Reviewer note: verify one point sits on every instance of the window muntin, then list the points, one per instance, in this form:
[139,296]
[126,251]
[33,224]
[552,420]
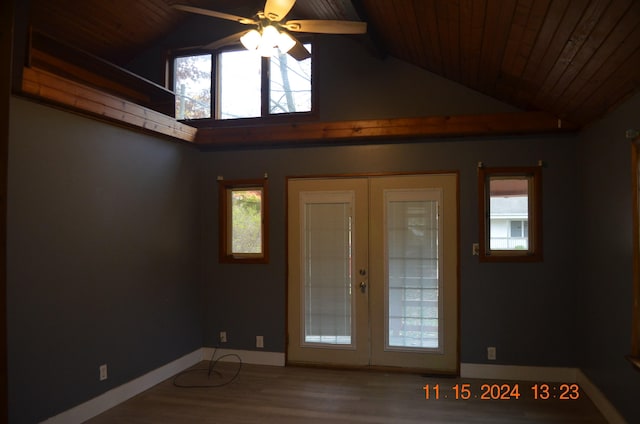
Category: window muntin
[243,211]
[510,212]
[192,86]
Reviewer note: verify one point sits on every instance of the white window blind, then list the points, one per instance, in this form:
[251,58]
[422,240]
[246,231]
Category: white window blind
[327,270]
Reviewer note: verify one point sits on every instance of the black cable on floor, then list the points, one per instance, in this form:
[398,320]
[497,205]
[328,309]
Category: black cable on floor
[211,369]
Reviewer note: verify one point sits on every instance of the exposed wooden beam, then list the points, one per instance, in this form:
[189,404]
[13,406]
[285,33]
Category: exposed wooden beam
[74,95]
[386,129]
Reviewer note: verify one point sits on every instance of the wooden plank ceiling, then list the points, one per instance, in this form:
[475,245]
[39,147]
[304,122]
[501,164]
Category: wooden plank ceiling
[576,59]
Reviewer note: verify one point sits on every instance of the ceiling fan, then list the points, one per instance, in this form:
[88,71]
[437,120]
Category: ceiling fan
[271,32]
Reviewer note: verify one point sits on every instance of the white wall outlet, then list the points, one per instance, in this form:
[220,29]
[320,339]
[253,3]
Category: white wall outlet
[491,353]
[223,337]
[259,341]
[103,372]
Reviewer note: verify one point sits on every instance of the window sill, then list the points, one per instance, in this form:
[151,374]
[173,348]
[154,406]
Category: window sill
[635,361]
[534,257]
[280,118]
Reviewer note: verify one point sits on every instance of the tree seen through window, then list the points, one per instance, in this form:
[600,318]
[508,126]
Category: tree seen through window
[192,86]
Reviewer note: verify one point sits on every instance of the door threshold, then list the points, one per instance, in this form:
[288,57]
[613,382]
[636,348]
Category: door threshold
[425,372]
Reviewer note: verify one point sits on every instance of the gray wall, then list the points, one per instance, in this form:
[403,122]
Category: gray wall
[356,85]
[526,310]
[605,290]
[102,257]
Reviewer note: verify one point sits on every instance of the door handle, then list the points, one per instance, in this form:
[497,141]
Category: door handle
[363,286]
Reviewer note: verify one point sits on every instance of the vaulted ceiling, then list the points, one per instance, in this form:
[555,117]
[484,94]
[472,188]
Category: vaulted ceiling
[576,59]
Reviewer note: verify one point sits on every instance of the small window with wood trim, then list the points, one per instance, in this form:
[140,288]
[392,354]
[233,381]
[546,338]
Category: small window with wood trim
[243,217]
[510,214]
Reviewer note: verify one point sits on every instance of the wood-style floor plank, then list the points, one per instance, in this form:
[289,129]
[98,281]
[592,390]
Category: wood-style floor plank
[263,394]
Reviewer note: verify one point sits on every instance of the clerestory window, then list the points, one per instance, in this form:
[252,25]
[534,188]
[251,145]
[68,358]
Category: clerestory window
[237,83]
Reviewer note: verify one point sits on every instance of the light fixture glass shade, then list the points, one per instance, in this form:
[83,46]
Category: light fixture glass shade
[251,40]
[269,36]
[285,42]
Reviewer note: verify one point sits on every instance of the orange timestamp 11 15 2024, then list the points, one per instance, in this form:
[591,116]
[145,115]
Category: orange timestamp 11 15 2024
[495,391]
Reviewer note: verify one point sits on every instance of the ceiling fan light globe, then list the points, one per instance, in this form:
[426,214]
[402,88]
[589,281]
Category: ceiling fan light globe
[270,36]
[285,42]
[251,40]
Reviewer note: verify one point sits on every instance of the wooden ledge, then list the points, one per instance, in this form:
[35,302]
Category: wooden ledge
[74,95]
[425,127]
[51,55]
[54,89]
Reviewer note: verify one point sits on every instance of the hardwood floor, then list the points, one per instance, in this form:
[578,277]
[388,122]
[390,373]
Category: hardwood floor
[264,394]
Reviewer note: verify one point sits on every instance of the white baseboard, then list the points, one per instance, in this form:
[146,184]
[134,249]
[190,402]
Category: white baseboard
[599,399]
[545,374]
[256,357]
[518,372]
[117,395]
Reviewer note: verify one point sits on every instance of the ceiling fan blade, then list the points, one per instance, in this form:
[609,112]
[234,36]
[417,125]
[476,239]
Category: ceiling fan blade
[226,41]
[299,52]
[326,26]
[214,14]
[276,10]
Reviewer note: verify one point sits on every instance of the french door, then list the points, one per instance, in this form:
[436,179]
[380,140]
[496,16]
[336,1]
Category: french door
[373,271]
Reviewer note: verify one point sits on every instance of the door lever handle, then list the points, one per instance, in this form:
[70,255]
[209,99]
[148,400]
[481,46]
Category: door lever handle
[363,286]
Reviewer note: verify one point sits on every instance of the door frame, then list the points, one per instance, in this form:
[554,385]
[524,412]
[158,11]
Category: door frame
[458,283]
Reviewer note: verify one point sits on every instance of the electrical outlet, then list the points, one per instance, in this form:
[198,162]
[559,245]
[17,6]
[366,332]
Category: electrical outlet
[103,372]
[259,341]
[475,249]
[223,337]
[491,353]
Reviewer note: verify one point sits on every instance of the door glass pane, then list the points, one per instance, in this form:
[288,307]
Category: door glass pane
[327,273]
[413,296]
